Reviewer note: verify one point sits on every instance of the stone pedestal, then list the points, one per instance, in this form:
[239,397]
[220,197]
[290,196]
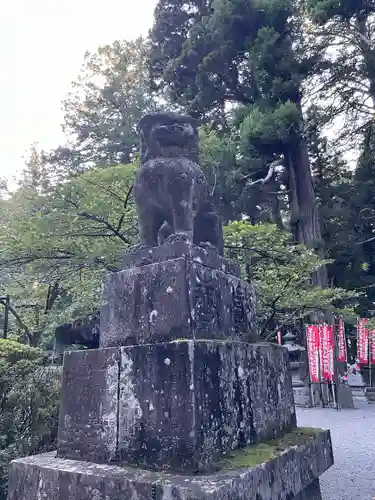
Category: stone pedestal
[176,291]
[175,404]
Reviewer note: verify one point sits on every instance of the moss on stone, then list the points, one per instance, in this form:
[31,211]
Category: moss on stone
[257,454]
[245,458]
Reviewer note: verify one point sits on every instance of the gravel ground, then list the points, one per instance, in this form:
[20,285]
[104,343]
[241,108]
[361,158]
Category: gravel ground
[353,432]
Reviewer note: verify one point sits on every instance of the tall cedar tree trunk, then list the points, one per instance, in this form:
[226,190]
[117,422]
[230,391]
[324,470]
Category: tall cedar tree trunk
[304,211]
[306,230]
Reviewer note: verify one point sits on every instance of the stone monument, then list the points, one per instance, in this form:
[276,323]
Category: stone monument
[175,403]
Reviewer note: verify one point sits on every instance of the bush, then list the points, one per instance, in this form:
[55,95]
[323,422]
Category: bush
[29,397]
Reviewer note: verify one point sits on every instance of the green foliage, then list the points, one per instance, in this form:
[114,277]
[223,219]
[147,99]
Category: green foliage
[245,62]
[282,273]
[362,226]
[324,10]
[347,212]
[107,100]
[63,241]
[333,186]
[344,31]
[210,53]
[58,245]
[262,131]
[29,393]
[219,161]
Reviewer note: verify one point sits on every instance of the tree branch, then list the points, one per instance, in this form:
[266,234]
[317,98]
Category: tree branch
[262,253]
[19,320]
[273,305]
[126,201]
[109,191]
[108,225]
[270,173]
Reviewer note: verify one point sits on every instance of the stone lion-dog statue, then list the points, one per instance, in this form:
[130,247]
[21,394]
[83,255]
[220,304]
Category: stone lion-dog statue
[171,192]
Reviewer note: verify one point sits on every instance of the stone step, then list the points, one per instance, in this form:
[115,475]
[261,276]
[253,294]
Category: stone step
[290,474]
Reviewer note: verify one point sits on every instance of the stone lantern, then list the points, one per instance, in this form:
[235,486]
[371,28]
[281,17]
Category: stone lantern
[296,361]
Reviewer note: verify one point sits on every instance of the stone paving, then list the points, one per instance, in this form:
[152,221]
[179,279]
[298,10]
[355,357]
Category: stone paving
[353,431]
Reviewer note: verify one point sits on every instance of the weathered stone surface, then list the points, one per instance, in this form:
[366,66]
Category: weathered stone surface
[345,397]
[370,394]
[174,299]
[291,475]
[302,397]
[89,405]
[312,492]
[179,405]
[205,256]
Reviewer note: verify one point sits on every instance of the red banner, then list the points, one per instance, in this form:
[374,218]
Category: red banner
[313,351]
[372,347]
[342,353]
[327,349]
[362,341]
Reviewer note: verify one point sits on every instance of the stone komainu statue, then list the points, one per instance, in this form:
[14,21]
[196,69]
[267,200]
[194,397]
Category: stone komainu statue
[171,191]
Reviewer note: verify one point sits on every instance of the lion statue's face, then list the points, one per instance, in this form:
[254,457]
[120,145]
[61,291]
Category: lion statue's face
[168,135]
[177,134]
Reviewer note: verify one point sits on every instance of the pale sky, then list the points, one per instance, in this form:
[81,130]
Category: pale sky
[42,47]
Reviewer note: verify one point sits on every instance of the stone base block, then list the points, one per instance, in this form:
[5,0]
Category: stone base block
[205,256]
[302,396]
[192,296]
[345,397]
[173,406]
[370,394]
[312,492]
[291,474]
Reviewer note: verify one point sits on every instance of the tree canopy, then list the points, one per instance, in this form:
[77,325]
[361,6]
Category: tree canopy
[106,101]
[56,245]
[282,273]
[243,64]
